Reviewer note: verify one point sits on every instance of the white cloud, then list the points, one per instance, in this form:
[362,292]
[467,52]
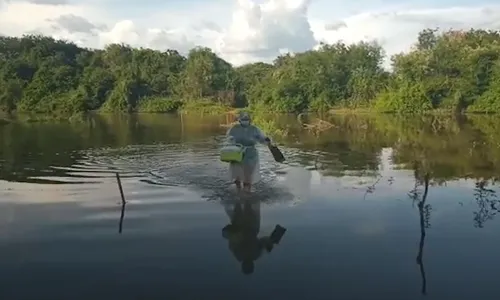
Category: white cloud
[123,32]
[75,24]
[42,2]
[241,31]
[17,18]
[49,2]
[398,30]
[127,32]
[258,32]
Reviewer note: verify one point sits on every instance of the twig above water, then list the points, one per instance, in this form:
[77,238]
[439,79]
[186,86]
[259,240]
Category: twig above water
[122,215]
[118,180]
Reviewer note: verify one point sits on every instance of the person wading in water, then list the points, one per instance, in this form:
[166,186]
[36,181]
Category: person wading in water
[246,134]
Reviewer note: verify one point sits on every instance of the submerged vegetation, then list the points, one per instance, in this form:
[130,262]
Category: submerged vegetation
[452,71]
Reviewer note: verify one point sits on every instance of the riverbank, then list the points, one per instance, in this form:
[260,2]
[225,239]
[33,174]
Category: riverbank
[208,108]
[435,112]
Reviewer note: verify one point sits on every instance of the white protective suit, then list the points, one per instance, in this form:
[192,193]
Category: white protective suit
[248,136]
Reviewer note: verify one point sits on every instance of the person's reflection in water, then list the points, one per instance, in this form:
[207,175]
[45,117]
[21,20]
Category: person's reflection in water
[242,234]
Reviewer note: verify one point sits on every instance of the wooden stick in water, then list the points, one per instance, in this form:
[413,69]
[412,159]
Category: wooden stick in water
[122,215]
[120,187]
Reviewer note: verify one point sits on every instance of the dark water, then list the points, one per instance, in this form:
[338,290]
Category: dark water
[377,207]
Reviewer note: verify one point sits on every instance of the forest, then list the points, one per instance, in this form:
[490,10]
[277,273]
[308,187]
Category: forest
[455,71]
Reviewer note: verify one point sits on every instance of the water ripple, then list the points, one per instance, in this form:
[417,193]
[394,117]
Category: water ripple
[195,166]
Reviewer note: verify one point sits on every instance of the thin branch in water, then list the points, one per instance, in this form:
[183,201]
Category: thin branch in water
[371,188]
[123,203]
[118,180]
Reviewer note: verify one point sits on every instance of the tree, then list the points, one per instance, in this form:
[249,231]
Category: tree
[453,70]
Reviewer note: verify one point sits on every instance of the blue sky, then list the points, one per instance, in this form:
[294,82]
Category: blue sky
[243,31]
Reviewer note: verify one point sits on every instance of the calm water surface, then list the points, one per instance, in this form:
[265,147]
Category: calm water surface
[372,208]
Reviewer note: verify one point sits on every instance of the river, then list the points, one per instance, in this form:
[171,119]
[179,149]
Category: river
[372,207]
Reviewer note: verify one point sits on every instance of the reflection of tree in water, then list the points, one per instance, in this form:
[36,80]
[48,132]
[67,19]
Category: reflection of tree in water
[424,211]
[452,149]
[243,230]
[57,150]
[122,217]
[28,151]
[486,199]
[334,157]
[488,203]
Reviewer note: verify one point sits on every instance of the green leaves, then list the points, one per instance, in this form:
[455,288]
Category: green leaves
[335,75]
[453,70]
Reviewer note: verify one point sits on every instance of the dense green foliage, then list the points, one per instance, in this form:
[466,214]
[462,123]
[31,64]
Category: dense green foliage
[455,70]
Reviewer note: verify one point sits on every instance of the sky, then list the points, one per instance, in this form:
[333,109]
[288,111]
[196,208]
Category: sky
[243,31]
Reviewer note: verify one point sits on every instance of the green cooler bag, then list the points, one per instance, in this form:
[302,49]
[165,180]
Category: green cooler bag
[232,153]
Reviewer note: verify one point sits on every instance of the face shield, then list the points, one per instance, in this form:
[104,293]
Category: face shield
[244,119]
